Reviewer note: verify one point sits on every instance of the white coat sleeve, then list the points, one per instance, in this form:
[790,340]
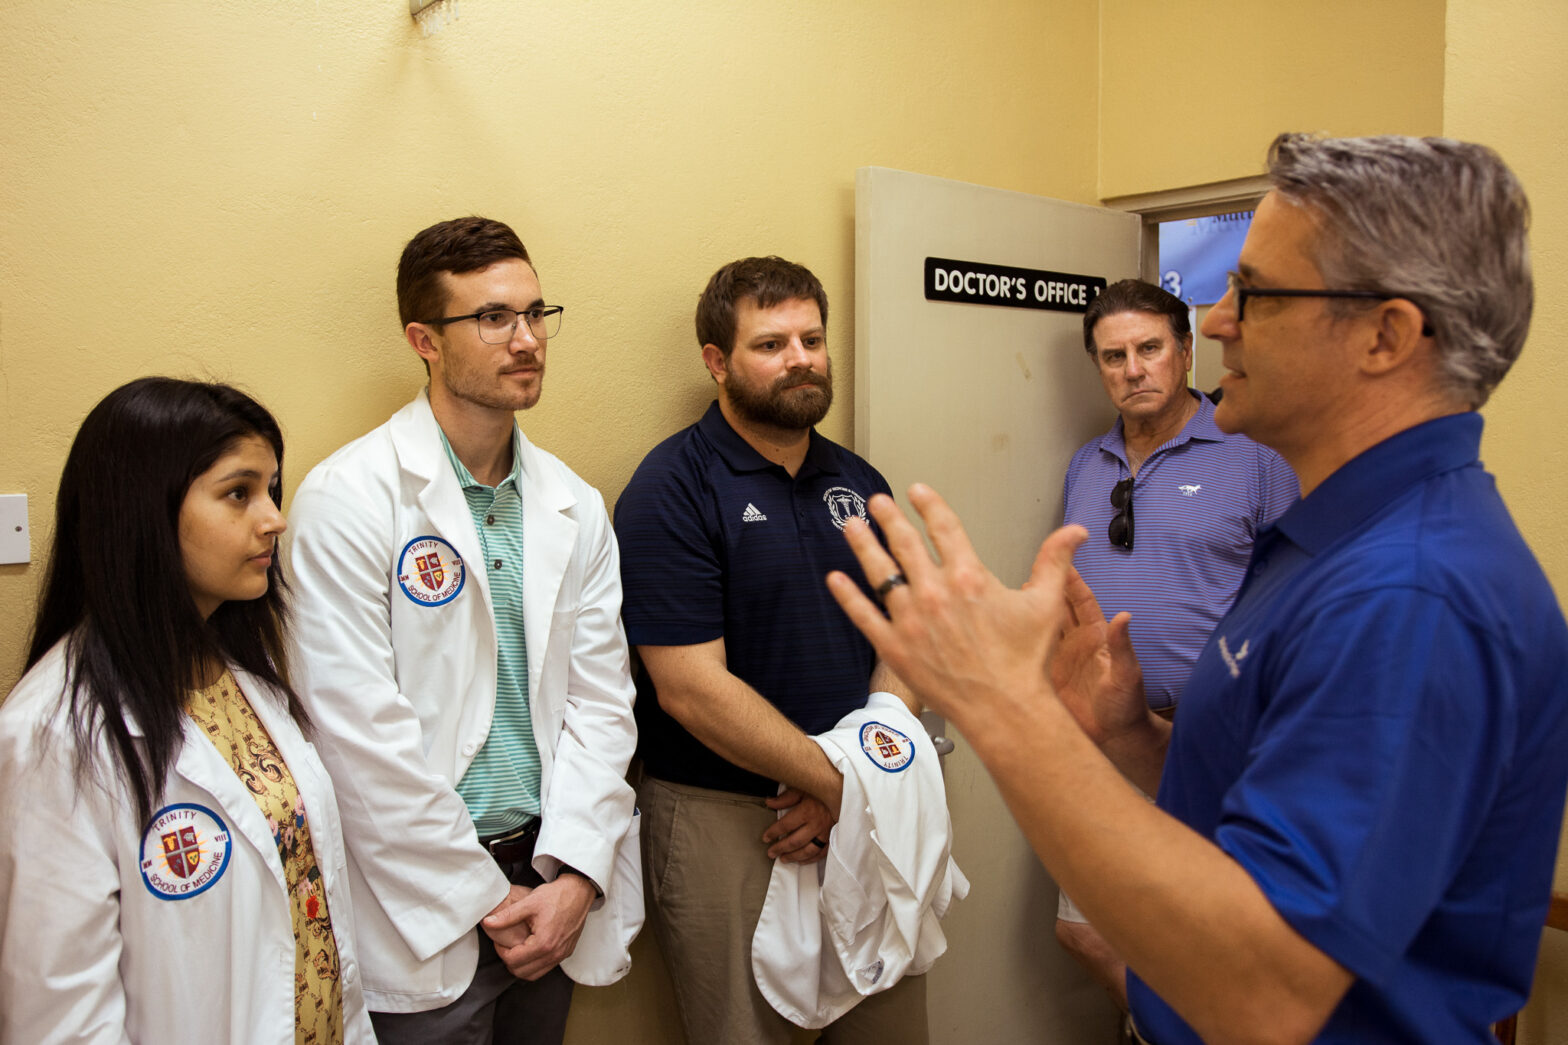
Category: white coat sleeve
[589,803]
[407,830]
[59,900]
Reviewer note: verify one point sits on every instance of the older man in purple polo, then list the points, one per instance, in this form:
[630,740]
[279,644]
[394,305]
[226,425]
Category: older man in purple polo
[1171,504]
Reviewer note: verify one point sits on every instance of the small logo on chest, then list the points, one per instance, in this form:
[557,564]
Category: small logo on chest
[844,504]
[185,850]
[751,514]
[430,571]
[1188,489]
[1233,660]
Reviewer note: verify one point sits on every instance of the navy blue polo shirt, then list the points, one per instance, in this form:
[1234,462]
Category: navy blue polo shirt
[1375,733]
[718,542]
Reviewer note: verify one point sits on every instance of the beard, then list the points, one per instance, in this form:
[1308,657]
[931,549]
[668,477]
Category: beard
[794,401]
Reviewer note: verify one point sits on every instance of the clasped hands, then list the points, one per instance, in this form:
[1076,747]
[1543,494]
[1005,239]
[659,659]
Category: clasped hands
[798,836]
[534,930]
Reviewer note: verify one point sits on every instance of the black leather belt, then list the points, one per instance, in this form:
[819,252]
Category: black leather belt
[515,847]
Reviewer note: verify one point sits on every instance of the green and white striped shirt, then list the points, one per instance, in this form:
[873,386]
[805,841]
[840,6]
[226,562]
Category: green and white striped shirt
[501,786]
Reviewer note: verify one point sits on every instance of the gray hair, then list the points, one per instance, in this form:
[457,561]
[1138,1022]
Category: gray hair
[1439,222]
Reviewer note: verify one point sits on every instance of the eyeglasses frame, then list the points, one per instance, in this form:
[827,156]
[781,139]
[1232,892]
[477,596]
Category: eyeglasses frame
[1242,293]
[546,311]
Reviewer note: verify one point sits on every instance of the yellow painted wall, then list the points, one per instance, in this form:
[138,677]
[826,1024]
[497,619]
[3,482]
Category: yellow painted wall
[1506,85]
[222,187]
[1192,92]
[218,187]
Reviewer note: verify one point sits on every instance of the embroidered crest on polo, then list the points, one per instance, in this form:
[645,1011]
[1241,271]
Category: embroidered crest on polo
[886,747]
[430,571]
[752,514]
[1188,489]
[185,851]
[844,504]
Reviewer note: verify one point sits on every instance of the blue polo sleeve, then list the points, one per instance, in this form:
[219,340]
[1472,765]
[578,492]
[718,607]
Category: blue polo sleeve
[1378,755]
[671,570]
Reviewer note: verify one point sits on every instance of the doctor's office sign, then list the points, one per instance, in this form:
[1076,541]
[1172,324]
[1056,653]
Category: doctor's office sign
[980,283]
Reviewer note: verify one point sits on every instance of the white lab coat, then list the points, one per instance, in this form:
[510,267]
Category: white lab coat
[89,952]
[864,917]
[402,693]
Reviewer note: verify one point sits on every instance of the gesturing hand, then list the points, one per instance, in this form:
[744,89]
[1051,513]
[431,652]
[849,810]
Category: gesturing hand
[965,642]
[1094,669]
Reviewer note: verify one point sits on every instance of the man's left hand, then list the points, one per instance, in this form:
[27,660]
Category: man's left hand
[553,914]
[797,836]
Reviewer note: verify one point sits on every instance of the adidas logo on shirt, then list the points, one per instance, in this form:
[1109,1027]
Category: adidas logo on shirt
[751,514]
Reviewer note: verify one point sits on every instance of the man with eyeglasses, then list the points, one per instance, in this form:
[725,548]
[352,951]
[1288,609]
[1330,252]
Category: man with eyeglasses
[461,656]
[727,529]
[1172,503]
[1359,804]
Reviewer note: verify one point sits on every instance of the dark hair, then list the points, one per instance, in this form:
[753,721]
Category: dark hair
[768,281]
[1134,295]
[1442,223]
[456,246]
[115,588]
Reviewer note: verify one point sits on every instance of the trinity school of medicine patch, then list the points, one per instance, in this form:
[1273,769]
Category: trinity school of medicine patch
[886,747]
[185,851]
[430,571]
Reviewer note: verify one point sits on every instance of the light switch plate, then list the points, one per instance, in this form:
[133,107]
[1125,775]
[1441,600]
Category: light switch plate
[15,545]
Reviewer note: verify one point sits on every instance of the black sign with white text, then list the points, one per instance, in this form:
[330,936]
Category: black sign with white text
[977,283]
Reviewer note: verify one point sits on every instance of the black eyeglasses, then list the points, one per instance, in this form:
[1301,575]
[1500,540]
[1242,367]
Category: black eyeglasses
[1242,292]
[1120,530]
[497,325]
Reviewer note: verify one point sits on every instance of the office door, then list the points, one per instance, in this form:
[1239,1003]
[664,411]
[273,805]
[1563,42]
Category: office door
[986,401]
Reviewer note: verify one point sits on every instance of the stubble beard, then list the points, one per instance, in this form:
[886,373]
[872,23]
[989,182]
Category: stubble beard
[492,392]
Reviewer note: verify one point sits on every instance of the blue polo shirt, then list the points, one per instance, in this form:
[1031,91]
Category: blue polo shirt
[1198,501]
[1376,733]
[718,542]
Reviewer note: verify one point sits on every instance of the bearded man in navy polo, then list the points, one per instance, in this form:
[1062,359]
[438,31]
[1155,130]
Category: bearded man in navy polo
[726,531]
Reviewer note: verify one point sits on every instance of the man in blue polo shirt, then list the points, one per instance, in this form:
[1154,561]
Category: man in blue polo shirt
[1172,504]
[726,531]
[1360,801]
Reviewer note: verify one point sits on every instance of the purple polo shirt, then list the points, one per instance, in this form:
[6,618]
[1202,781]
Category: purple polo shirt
[1198,502]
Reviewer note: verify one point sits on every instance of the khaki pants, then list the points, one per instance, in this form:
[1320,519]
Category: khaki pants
[708,875]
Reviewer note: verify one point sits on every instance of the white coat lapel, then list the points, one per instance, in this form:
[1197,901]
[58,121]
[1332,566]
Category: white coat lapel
[309,776]
[417,438]
[201,765]
[549,537]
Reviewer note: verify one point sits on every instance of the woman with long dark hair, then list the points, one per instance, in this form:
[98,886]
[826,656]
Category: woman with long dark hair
[171,865]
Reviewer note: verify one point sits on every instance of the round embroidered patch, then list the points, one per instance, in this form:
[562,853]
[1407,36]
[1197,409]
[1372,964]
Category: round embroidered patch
[886,747]
[430,571]
[844,504]
[185,850]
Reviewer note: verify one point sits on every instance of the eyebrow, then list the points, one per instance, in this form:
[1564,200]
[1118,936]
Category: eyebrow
[491,305]
[779,335]
[242,473]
